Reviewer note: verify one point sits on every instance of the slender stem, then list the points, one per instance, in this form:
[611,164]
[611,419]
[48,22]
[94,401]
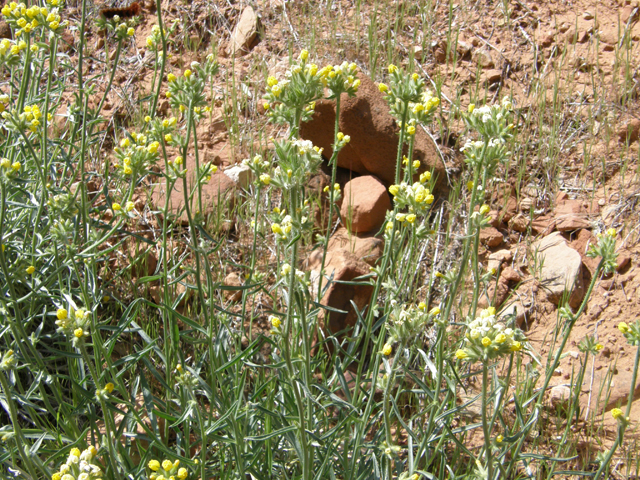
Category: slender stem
[334,167]
[485,424]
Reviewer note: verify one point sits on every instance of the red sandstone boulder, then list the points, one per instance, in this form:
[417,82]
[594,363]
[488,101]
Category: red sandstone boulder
[374,136]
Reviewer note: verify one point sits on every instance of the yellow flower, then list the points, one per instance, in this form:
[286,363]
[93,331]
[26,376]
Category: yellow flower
[422,306]
[383,88]
[168,138]
[599,347]
[490,311]
[154,465]
[392,68]
[501,338]
[62,314]
[411,130]
[129,206]
[182,473]
[415,77]
[265,105]
[612,232]
[304,54]
[78,333]
[124,143]
[271,81]
[275,321]
[472,106]
[401,217]
[516,347]
[178,160]
[167,465]
[147,119]
[623,327]
[276,228]
[386,350]
[116,207]
[411,218]
[127,170]
[187,73]
[15,166]
[617,413]
[286,269]
[484,209]
[75,452]
[394,189]
[461,355]
[171,78]
[131,32]
[265,178]
[435,311]
[486,341]
[56,476]
[30,269]
[416,164]
[499,438]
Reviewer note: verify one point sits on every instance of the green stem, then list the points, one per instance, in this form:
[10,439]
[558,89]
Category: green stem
[334,167]
[485,424]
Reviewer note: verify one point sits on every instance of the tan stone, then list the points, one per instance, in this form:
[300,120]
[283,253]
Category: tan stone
[365,202]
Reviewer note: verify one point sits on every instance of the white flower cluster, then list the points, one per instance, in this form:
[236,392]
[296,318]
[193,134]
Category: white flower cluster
[79,467]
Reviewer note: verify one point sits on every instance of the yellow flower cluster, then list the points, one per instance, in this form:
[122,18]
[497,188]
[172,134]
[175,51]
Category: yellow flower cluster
[8,360]
[73,323]
[282,229]
[79,466]
[340,78]
[134,157]
[631,332]
[416,198]
[25,20]
[167,470]
[8,168]
[486,339]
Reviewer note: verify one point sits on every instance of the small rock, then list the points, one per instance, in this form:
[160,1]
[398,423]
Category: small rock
[232,280]
[5,29]
[344,266]
[630,131]
[365,202]
[559,395]
[525,204]
[367,248]
[543,225]
[240,174]
[245,32]
[496,259]
[570,216]
[491,237]
[491,76]
[417,52]
[463,49]
[561,269]
[483,59]
[519,223]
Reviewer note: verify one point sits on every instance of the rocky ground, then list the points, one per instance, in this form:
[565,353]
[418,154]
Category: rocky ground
[572,69]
